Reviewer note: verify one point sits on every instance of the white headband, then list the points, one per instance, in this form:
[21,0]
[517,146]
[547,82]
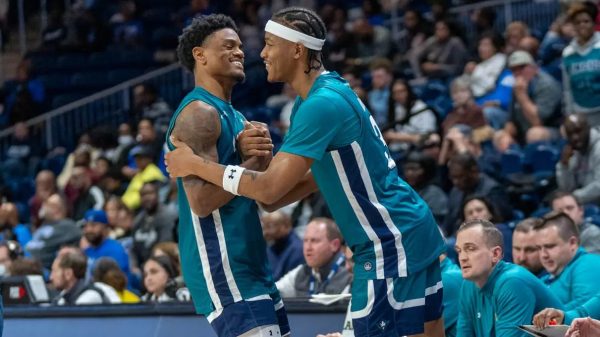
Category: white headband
[294,35]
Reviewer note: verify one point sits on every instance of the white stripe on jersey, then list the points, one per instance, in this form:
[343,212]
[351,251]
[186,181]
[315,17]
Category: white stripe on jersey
[366,311]
[364,173]
[210,285]
[362,218]
[417,302]
[235,292]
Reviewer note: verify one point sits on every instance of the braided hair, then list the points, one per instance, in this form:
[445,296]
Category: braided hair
[308,22]
[196,33]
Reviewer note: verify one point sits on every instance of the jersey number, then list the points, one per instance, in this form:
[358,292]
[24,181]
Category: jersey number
[390,162]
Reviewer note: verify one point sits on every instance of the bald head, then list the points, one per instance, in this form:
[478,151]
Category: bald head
[577,131]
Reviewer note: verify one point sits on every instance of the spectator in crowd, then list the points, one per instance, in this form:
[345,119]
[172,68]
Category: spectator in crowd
[411,36]
[126,28]
[68,277]
[324,270]
[22,153]
[452,281]
[443,55]
[531,45]
[147,172]
[558,37]
[468,181]
[10,226]
[149,105]
[408,118]
[484,74]
[578,170]
[196,7]
[379,95]
[120,218]
[483,20]
[24,266]
[107,271]
[24,96]
[513,34]
[465,110]
[370,42]
[171,250]
[159,281]
[479,207]
[536,101]
[146,137]
[284,247]
[56,230]
[589,234]
[581,64]
[525,251]
[95,232]
[84,155]
[573,273]
[45,186]
[420,173]
[10,251]
[81,194]
[313,206]
[55,33]
[152,225]
[496,296]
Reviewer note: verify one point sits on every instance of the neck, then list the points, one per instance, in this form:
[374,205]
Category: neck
[484,278]
[219,87]
[582,40]
[302,82]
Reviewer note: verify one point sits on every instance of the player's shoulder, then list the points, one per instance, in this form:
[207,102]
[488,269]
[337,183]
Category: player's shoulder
[199,107]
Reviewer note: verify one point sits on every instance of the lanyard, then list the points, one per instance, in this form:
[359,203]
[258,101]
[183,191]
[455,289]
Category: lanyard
[311,286]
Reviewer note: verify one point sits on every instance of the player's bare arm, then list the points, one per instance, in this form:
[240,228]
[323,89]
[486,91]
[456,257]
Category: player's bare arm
[303,189]
[284,173]
[200,126]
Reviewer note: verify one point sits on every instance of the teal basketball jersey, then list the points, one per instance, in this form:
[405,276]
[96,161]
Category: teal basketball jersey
[223,255]
[387,225]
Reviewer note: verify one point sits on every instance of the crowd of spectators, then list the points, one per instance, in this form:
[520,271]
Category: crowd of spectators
[498,131]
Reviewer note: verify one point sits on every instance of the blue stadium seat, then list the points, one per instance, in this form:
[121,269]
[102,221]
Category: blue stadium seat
[122,75]
[94,80]
[540,212]
[72,62]
[511,162]
[56,83]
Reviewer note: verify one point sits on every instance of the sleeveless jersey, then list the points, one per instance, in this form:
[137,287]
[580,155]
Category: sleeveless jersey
[223,255]
[387,225]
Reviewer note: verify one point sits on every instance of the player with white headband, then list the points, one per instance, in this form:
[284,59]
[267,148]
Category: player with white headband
[334,145]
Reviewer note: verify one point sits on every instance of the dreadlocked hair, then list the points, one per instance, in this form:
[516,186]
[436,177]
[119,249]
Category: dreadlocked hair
[196,33]
[308,22]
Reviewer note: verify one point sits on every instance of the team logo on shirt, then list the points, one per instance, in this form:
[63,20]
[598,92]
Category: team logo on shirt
[368,266]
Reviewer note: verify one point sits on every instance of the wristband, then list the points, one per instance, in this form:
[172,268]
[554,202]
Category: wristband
[231,178]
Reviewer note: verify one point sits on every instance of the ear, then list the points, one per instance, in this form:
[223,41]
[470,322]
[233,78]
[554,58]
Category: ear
[497,254]
[198,53]
[298,51]
[335,244]
[574,241]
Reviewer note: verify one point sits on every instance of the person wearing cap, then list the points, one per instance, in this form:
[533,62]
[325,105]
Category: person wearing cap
[536,101]
[147,171]
[334,145]
[95,233]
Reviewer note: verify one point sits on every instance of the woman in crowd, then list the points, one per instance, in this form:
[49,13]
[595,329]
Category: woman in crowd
[159,281]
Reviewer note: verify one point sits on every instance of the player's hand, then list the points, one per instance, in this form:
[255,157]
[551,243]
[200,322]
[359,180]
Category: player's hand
[178,160]
[584,327]
[255,140]
[543,318]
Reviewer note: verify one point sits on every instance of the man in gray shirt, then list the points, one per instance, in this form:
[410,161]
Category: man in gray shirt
[536,101]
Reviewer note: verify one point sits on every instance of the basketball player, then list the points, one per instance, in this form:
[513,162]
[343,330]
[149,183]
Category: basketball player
[334,144]
[223,253]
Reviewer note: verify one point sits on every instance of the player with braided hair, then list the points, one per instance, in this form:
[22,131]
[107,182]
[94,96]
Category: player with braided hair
[334,145]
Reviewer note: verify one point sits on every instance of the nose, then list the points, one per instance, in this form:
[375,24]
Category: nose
[263,53]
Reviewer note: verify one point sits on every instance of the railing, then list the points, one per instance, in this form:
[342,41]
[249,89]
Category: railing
[61,126]
[538,14]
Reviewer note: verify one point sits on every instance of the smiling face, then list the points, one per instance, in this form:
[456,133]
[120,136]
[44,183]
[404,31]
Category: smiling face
[278,55]
[221,54]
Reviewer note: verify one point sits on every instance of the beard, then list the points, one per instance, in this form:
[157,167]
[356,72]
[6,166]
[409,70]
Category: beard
[94,240]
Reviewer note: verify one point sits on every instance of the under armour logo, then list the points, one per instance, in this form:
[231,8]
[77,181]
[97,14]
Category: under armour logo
[231,174]
[382,325]
[479,315]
